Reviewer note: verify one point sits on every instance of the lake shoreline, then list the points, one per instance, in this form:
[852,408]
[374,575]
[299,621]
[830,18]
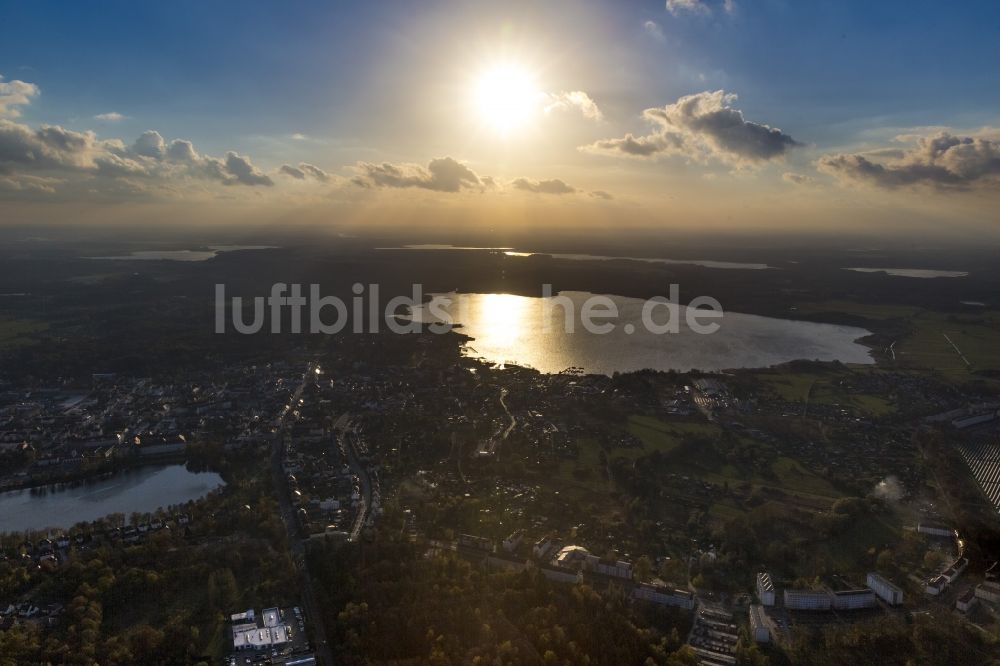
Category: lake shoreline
[143,488]
[512,329]
[116,466]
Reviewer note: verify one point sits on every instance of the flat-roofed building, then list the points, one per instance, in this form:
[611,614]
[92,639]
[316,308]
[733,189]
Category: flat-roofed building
[936,585]
[966,600]
[513,542]
[885,590]
[542,547]
[759,627]
[955,569]
[265,632]
[616,568]
[661,594]
[934,529]
[765,589]
[815,600]
[854,599]
[271,617]
[989,591]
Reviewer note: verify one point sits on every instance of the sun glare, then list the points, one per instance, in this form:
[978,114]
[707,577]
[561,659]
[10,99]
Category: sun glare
[506,96]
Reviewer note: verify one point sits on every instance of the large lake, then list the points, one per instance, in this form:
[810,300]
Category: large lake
[510,252]
[182,255]
[924,273]
[705,263]
[141,490]
[524,331]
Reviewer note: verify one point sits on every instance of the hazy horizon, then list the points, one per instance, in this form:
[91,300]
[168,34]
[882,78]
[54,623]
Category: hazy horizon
[691,115]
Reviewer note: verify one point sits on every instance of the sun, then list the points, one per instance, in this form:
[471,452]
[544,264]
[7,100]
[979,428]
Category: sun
[506,96]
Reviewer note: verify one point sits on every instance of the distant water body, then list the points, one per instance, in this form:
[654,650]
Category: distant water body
[140,490]
[182,255]
[512,329]
[510,252]
[706,263]
[911,272]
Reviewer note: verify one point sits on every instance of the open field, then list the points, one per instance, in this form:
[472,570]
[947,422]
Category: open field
[825,389]
[867,310]
[659,436]
[19,332]
[977,339]
[973,335]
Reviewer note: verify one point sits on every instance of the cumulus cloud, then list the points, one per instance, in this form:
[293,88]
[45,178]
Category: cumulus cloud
[637,146]
[796,178]
[49,159]
[14,94]
[150,144]
[39,159]
[575,100]
[59,154]
[700,126]
[444,174]
[48,147]
[553,186]
[601,194]
[181,150]
[243,171]
[110,117]
[304,171]
[943,160]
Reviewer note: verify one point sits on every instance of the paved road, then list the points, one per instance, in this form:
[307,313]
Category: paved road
[344,432]
[309,604]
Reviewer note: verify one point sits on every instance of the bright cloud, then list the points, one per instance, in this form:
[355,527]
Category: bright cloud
[703,7]
[701,126]
[14,94]
[553,186]
[575,100]
[110,117]
[942,160]
[304,171]
[444,174]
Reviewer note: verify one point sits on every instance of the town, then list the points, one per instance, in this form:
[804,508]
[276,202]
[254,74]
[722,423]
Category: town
[661,489]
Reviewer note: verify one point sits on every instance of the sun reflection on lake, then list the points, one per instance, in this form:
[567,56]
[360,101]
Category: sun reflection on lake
[504,317]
